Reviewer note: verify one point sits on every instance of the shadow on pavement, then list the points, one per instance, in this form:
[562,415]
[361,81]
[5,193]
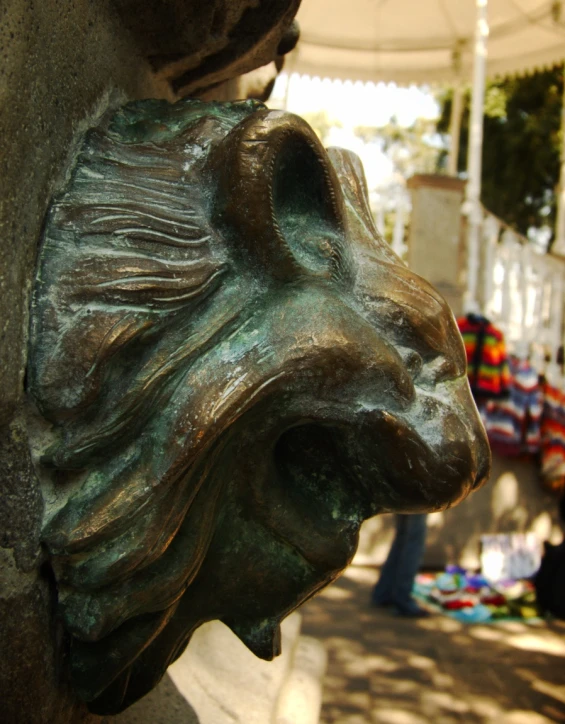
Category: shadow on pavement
[384,669]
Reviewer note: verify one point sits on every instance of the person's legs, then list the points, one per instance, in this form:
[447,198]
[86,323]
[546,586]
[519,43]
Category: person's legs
[408,562]
[383,591]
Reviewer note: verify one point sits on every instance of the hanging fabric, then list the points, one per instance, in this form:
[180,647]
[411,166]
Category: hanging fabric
[513,425]
[553,439]
[487,360]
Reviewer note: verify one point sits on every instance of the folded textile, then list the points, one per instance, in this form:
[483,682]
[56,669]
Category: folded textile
[513,424]
[487,361]
[553,439]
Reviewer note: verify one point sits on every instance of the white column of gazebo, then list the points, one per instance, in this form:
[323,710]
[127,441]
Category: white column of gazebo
[428,41]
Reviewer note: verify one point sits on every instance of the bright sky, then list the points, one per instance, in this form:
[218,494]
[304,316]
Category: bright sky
[356,104]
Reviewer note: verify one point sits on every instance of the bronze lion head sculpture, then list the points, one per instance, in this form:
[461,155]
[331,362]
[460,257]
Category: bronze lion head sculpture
[229,371]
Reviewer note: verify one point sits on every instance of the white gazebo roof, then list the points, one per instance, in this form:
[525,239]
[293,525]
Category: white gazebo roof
[425,41]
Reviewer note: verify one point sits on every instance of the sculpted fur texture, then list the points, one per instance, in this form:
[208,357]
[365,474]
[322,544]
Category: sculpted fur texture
[229,371]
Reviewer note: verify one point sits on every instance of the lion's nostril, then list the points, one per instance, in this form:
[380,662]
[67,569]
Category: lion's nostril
[446,369]
[414,364]
[483,471]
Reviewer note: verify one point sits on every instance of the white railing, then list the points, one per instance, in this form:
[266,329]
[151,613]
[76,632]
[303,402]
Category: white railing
[522,290]
[391,207]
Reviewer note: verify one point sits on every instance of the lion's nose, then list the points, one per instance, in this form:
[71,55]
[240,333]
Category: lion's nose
[484,460]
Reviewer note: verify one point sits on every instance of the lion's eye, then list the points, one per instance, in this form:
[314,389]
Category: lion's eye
[316,253]
[325,249]
[414,363]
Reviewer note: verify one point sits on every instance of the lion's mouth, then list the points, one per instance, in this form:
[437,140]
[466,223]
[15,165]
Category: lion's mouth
[325,477]
[325,500]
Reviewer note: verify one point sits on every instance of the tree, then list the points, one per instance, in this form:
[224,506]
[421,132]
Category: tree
[521,147]
[412,149]
[322,124]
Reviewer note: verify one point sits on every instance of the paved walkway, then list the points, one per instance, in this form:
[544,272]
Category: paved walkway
[387,670]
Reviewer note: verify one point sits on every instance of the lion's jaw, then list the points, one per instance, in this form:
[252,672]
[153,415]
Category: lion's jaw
[331,439]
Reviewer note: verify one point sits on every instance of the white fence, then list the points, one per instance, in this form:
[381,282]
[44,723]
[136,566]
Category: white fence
[391,207]
[520,289]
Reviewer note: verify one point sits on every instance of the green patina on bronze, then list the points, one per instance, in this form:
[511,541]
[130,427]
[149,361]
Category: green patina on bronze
[230,371]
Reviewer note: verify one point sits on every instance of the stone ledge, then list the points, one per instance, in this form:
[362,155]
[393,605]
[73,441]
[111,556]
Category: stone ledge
[219,681]
[300,699]
[435,181]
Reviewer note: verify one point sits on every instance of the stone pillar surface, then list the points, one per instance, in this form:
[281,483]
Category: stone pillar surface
[63,64]
[435,247]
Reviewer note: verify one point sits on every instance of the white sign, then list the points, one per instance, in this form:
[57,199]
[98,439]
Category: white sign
[508,556]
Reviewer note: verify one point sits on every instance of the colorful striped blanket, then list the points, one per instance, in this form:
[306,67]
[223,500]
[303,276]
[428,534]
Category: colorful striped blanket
[513,425]
[487,361]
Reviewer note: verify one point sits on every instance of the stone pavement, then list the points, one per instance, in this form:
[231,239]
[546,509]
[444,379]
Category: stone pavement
[384,669]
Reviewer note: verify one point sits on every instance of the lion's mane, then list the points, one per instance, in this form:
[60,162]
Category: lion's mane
[128,256]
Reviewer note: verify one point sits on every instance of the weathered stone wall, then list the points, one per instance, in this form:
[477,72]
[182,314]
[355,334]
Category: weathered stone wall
[62,64]
[436,245]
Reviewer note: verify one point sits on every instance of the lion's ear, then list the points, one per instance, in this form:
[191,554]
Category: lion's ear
[351,177]
[279,194]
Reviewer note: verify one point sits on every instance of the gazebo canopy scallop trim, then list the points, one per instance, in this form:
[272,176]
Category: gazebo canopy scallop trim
[432,41]
[425,41]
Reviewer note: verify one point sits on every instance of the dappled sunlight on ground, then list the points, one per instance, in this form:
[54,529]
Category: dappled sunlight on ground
[388,670]
[335,593]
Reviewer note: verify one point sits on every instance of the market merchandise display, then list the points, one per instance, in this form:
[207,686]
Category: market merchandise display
[513,424]
[472,598]
[522,405]
[487,360]
[553,439]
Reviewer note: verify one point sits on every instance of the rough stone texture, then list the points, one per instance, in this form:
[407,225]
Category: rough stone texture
[436,249]
[197,45]
[62,64]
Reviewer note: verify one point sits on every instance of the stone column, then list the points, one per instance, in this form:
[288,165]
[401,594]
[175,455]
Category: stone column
[436,242]
[64,63]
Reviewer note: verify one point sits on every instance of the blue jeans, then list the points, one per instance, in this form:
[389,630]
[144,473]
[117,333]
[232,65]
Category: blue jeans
[401,566]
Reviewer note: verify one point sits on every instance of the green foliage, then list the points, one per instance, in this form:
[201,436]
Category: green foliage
[321,122]
[521,147]
[412,149]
